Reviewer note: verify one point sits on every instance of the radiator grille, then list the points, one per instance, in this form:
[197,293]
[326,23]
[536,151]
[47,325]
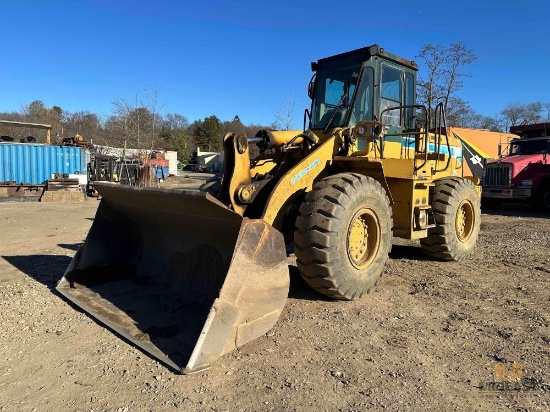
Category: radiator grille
[497,175]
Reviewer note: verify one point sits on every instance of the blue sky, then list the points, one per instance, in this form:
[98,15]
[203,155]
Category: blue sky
[246,58]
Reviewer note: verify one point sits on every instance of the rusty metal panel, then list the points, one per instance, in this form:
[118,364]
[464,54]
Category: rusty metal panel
[22,163]
[21,191]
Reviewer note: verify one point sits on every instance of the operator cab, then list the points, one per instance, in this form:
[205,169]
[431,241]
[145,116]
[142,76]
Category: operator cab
[363,85]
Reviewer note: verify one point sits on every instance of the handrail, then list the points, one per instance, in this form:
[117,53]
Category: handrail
[441,119]
[425,133]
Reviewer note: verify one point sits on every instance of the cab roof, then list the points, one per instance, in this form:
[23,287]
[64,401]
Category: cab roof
[374,50]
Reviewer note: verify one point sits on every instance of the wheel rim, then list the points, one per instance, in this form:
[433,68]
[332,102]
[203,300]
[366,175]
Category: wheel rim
[363,238]
[464,221]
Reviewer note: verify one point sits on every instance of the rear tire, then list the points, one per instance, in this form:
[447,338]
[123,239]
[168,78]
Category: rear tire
[344,235]
[456,208]
[541,198]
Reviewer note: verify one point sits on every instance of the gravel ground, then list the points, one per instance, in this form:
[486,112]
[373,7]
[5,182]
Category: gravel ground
[428,338]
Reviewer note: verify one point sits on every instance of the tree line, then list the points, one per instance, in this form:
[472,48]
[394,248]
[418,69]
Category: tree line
[137,124]
[131,126]
[140,122]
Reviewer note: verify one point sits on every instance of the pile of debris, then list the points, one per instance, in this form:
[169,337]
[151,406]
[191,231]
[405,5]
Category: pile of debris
[64,188]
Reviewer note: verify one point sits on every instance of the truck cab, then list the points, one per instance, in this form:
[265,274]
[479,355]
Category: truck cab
[524,173]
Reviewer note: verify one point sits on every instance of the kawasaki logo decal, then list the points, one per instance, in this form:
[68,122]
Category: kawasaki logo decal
[304,171]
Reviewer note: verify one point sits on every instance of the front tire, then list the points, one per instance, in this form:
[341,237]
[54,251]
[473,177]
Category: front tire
[344,235]
[456,207]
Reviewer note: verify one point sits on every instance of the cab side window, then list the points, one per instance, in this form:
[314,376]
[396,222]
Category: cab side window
[410,119]
[364,99]
[390,95]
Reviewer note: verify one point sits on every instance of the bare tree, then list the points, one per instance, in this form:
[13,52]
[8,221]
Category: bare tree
[534,112]
[547,110]
[516,113]
[285,114]
[443,78]
[456,56]
[83,123]
[430,85]
[120,123]
[136,122]
[151,102]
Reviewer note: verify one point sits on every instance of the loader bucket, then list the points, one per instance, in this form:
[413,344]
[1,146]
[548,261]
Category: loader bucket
[178,274]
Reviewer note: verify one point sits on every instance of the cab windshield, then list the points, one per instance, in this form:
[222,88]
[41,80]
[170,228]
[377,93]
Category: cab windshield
[528,147]
[335,84]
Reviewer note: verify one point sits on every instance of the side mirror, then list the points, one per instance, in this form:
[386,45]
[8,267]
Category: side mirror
[311,87]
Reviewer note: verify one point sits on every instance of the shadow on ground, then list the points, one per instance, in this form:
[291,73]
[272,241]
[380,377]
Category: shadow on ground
[513,209]
[46,269]
[299,289]
[74,247]
[409,252]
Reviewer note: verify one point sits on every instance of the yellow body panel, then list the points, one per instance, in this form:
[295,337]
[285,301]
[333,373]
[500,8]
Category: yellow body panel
[280,137]
[406,171]
[405,165]
[299,179]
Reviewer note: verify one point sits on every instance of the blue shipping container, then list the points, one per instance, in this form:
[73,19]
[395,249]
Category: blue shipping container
[25,163]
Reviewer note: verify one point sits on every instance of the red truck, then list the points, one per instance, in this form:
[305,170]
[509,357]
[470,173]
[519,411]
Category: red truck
[524,174]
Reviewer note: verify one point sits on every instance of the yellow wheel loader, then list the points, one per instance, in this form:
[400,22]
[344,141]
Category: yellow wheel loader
[189,276]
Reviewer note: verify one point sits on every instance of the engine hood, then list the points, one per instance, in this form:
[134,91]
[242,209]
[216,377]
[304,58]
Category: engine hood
[520,162]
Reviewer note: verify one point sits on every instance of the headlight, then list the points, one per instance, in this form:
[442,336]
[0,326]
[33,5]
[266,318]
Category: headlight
[361,130]
[527,183]
[422,218]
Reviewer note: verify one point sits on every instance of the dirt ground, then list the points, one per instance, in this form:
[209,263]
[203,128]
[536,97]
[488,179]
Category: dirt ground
[432,336]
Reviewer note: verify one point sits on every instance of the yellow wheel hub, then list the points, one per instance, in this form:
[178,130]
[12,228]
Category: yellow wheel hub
[464,223]
[363,238]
